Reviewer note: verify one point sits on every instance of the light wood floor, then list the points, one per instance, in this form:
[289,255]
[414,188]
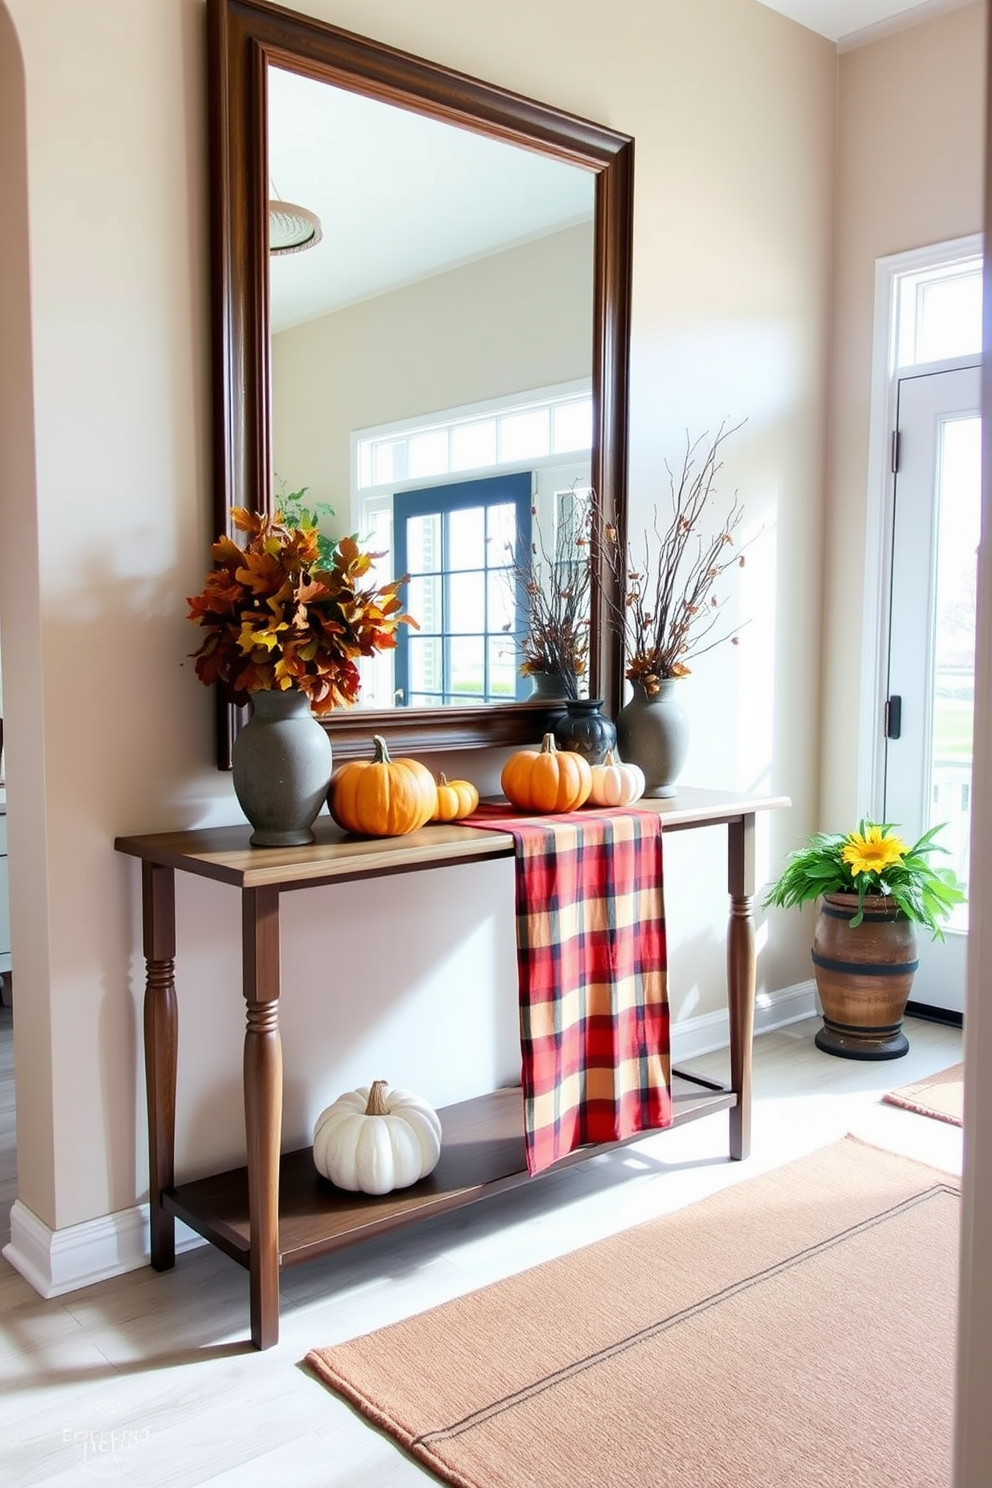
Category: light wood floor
[147,1379]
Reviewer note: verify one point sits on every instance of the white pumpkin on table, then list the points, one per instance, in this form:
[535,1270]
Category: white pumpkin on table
[615,783]
[373,1140]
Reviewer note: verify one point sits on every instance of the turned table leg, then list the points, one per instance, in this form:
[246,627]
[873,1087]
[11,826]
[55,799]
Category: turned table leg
[263,1104]
[161,1029]
[741,977]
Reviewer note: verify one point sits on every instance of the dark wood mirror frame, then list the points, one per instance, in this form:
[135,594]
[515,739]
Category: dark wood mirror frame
[245,37]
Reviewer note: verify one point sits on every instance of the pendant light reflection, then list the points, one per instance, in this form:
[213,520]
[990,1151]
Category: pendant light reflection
[292,229]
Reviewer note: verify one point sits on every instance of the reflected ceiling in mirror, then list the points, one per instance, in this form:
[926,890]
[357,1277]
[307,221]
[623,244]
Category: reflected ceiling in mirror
[401,196]
[461,177]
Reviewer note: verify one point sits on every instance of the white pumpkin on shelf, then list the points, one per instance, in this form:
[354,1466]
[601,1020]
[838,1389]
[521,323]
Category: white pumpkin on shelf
[373,1139]
[615,783]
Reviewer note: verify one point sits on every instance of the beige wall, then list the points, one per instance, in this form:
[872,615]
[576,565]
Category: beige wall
[909,173]
[105,520]
[513,321]
[731,283]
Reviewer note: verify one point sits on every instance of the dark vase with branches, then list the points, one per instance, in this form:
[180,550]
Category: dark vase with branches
[554,580]
[668,611]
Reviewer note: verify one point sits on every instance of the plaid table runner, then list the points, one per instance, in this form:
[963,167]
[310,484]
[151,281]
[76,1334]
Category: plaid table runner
[594,1029]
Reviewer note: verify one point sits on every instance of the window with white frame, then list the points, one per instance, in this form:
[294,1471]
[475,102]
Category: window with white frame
[509,432]
[460,543]
[938,313]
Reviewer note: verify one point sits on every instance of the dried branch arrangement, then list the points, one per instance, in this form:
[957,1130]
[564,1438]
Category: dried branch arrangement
[664,605]
[557,589]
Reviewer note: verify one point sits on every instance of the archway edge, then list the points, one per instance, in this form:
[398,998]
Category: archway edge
[20,618]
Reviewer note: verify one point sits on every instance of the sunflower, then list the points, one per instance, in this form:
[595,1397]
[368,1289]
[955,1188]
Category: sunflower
[871,863]
[872,851]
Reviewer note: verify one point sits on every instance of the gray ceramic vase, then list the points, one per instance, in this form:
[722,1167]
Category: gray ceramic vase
[282,768]
[549,687]
[653,732]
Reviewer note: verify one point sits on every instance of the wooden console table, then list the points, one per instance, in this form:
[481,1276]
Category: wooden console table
[277,1211]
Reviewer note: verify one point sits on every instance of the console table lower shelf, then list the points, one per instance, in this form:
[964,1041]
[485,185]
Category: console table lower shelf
[482,1153]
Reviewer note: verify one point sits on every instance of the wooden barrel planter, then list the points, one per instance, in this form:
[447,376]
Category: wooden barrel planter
[864,977]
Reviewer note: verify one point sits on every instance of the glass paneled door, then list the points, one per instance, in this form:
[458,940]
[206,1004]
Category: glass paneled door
[928,751]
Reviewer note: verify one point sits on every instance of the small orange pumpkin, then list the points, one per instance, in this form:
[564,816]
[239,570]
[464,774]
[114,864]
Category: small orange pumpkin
[546,780]
[382,797]
[455,799]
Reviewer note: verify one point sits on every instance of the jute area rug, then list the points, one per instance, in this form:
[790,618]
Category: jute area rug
[778,1334]
[940,1096]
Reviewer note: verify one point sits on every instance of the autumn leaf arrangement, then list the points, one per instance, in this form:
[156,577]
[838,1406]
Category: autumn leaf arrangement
[275,614]
[665,605]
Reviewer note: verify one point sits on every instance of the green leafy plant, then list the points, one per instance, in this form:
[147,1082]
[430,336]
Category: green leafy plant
[871,862]
[274,614]
[296,511]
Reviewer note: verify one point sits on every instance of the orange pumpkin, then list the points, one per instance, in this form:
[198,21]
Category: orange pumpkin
[382,797]
[455,799]
[546,780]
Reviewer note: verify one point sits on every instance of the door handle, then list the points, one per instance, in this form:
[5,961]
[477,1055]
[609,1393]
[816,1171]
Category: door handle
[893,717]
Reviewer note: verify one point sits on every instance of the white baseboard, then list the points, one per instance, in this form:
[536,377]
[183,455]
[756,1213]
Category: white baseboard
[711,1031]
[58,1261]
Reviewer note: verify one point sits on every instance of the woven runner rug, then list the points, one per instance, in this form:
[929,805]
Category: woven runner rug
[940,1096]
[774,1335]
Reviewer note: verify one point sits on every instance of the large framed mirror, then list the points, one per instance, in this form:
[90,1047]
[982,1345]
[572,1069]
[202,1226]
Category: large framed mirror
[470,288]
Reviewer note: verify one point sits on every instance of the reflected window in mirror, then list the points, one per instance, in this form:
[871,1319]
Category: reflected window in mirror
[459,543]
[466,543]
